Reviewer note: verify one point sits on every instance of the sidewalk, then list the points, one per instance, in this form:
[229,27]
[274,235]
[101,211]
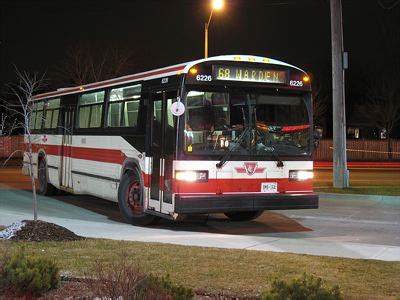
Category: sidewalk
[16,206]
[361,197]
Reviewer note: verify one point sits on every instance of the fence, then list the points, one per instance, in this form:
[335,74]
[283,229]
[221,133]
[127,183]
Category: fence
[357,150]
[360,150]
[9,144]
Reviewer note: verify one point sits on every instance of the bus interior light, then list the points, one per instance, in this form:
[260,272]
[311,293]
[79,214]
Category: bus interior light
[191,176]
[300,175]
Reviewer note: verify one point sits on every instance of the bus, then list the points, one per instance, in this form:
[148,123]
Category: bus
[229,134]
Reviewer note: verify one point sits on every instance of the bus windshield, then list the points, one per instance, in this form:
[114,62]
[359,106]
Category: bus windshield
[246,123]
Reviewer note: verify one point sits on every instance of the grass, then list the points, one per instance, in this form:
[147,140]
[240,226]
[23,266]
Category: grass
[238,272]
[365,190]
[2,227]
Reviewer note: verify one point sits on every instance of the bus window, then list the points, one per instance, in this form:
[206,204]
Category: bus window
[90,110]
[123,109]
[39,115]
[52,108]
[32,119]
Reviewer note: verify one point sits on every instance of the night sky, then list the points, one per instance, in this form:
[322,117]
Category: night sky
[36,33]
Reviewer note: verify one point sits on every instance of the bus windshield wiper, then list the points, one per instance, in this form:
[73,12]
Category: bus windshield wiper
[226,156]
[279,162]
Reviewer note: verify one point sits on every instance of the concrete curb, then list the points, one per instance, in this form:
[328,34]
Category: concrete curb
[126,232]
[361,197]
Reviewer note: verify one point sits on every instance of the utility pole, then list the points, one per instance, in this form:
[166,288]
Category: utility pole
[340,172]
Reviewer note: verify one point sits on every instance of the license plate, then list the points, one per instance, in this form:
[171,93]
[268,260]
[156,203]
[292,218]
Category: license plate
[269,187]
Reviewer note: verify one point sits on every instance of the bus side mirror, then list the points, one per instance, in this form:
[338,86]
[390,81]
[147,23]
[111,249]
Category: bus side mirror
[316,143]
[317,136]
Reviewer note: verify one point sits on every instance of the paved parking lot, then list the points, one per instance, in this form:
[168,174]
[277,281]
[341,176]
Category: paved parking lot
[350,227]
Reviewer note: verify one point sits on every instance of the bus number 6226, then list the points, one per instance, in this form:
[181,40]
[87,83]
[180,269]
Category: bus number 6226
[203,78]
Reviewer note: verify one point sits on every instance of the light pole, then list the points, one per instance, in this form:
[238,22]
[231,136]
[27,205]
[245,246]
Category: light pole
[340,172]
[216,5]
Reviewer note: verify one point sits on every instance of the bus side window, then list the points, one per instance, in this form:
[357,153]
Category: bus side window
[90,109]
[123,106]
[38,109]
[52,109]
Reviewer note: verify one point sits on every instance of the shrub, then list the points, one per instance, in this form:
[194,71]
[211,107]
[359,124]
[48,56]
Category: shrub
[165,286]
[306,287]
[122,278]
[30,275]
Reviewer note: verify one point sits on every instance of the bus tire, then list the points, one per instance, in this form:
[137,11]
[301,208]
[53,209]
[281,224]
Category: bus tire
[239,216]
[130,199]
[44,187]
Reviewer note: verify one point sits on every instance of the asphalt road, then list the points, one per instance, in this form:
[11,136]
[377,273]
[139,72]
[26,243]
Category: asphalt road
[357,228]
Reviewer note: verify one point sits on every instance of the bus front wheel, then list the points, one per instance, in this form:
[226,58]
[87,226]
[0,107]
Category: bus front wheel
[244,215]
[130,199]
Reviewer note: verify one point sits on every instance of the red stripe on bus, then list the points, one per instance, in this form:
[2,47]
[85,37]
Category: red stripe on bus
[93,154]
[146,179]
[240,185]
[162,182]
[109,82]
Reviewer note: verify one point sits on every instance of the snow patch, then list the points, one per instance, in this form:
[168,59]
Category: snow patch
[11,230]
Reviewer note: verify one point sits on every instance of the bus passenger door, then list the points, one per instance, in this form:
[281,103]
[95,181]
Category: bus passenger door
[66,160]
[163,143]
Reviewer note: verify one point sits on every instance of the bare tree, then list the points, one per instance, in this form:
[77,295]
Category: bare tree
[382,109]
[320,104]
[87,62]
[23,92]
[3,124]
[321,96]
[6,127]
[383,90]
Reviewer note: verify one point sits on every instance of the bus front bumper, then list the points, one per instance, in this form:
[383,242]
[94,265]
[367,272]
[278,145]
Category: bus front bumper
[226,203]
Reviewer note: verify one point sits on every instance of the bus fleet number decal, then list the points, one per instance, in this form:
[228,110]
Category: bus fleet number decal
[296,83]
[203,78]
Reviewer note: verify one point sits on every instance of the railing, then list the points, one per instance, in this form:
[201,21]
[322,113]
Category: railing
[9,145]
[361,150]
[357,150]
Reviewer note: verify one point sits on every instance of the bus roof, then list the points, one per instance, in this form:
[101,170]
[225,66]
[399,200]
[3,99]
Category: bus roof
[159,73]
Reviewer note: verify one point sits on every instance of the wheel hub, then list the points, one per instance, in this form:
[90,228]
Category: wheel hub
[134,198]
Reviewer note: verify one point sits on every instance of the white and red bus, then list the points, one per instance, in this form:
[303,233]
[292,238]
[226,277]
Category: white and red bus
[228,134]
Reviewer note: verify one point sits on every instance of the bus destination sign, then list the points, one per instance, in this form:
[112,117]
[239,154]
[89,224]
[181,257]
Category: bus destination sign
[238,73]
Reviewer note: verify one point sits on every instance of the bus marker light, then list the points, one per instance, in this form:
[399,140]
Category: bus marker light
[306,79]
[193,71]
[252,59]
[237,58]
[266,60]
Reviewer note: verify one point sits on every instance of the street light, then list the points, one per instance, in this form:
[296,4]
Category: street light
[216,5]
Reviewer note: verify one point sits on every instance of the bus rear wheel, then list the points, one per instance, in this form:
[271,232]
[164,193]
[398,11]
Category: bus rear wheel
[243,215]
[130,199]
[45,188]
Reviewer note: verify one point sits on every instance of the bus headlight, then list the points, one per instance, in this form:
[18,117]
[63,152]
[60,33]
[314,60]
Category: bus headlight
[191,176]
[300,175]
